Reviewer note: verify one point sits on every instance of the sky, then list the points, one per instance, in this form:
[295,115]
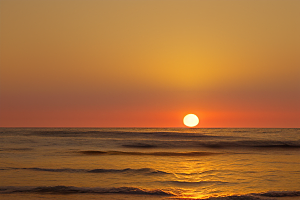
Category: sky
[134,63]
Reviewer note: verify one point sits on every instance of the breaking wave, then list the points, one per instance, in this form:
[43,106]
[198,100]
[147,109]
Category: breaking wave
[76,190]
[136,190]
[139,145]
[147,171]
[194,153]
[252,144]
[257,196]
[281,194]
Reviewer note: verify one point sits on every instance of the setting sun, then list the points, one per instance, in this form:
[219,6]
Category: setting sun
[191,120]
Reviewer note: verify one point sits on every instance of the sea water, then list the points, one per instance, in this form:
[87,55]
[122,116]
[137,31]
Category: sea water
[149,163]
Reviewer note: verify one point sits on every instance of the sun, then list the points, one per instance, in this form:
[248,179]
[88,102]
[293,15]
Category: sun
[191,120]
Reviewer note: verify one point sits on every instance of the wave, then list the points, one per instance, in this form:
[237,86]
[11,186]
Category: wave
[255,196]
[240,131]
[139,145]
[194,153]
[104,133]
[76,190]
[146,171]
[251,144]
[99,132]
[281,194]
[215,144]
[16,149]
[235,197]
[135,190]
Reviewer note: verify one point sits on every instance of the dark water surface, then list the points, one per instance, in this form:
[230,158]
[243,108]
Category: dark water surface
[137,163]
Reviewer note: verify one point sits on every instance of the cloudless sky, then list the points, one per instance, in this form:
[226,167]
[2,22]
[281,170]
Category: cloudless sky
[134,63]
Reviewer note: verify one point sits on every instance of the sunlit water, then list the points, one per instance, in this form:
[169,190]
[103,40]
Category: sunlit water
[149,163]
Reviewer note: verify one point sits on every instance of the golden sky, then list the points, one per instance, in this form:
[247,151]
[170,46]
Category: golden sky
[134,63]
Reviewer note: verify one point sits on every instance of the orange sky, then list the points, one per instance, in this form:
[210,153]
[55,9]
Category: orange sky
[111,63]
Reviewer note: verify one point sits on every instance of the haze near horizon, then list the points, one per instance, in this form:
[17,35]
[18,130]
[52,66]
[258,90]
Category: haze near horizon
[86,63]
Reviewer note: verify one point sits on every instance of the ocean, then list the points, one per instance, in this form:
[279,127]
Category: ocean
[149,163]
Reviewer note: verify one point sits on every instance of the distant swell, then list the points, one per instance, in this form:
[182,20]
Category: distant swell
[139,145]
[196,153]
[235,197]
[116,132]
[281,194]
[252,144]
[259,196]
[76,190]
[146,171]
